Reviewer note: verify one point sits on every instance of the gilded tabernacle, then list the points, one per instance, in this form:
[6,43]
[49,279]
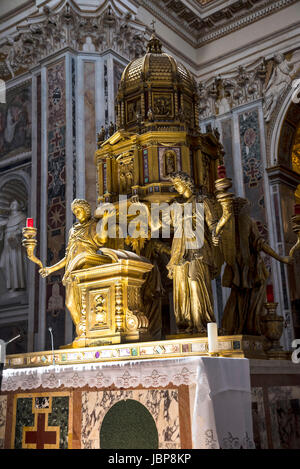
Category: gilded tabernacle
[157,157]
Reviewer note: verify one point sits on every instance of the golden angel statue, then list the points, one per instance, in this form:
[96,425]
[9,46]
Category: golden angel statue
[192,269]
[247,275]
[85,238]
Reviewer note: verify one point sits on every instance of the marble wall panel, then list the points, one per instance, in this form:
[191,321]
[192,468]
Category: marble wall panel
[253,169]
[3,408]
[73,78]
[90,133]
[161,403]
[56,206]
[38,198]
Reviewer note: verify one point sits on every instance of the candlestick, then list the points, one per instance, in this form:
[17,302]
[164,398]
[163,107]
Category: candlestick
[221,172]
[29,222]
[270,294]
[29,242]
[212,334]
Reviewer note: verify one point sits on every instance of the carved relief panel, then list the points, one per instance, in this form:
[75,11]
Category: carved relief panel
[99,306]
[163,105]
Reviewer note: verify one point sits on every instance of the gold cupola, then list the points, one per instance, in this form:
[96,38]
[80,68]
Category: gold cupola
[156,91]
[157,133]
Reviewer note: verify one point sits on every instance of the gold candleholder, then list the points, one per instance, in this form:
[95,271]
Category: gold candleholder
[226,224]
[29,243]
[226,201]
[296,229]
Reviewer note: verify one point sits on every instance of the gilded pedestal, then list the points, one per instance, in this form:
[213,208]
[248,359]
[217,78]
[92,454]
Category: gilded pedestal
[111,305]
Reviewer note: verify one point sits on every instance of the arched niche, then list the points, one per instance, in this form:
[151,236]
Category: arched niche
[13,187]
[284,179]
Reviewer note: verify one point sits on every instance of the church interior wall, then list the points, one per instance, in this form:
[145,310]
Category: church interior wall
[249,43]
[47,160]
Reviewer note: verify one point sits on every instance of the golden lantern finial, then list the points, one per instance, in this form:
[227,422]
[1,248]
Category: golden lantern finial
[154,45]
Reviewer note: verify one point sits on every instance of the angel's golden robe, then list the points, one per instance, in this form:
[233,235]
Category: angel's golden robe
[193,269]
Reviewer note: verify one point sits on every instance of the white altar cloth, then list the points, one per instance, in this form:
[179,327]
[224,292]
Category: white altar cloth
[220,412]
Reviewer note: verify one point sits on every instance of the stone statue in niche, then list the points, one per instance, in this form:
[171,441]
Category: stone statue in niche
[56,302]
[279,81]
[88,46]
[125,176]
[12,256]
[223,103]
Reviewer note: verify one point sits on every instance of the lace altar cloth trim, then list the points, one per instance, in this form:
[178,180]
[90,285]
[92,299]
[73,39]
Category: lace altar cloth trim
[237,429]
[150,373]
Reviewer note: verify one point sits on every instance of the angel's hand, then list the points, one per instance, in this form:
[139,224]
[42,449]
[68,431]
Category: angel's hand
[45,271]
[215,239]
[170,274]
[288,260]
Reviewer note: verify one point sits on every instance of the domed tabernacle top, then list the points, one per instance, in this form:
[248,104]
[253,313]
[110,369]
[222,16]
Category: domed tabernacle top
[156,66]
[157,91]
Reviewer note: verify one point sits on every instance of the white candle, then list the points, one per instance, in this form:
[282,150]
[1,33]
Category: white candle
[212,334]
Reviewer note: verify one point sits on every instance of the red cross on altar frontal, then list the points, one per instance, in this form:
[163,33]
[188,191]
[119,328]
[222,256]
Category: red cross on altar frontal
[41,437]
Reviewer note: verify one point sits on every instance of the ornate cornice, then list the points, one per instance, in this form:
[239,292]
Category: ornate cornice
[267,80]
[200,23]
[52,30]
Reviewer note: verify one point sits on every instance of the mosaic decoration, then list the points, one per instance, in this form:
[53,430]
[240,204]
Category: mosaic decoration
[38,198]
[42,421]
[56,214]
[231,346]
[253,167]
[15,121]
[73,71]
